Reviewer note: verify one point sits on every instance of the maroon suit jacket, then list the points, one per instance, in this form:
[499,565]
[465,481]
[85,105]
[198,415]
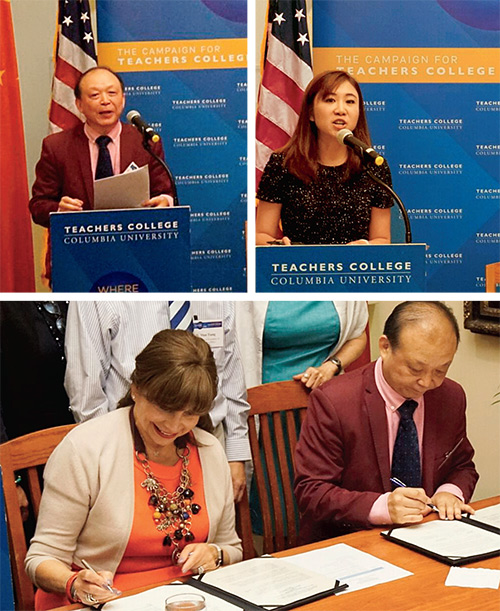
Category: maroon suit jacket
[64,169]
[342,458]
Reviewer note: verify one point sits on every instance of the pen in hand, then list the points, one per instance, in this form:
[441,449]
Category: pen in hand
[397,482]
[106,585]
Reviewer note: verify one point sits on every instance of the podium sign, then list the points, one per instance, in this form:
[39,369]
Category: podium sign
[121,251]
[341,269]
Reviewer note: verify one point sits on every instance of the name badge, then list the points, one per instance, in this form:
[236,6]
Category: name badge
[133,166]
[211,331]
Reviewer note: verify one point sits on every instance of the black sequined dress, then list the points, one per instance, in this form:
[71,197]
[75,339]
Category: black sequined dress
[327,210]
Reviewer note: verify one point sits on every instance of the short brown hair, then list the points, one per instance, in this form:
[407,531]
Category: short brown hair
[301,155]
[176,371]
[77,90]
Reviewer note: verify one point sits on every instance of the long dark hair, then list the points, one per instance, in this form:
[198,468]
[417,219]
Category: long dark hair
[301,155]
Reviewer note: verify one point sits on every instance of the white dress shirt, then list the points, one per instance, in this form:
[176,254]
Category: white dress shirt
[104,337]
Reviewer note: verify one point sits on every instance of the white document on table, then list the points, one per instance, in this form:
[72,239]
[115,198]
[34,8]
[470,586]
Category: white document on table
[127,190]
[154,600]
[450,538]
[473,578]
[350,565]
[269,581]
[488,515]
[277,581]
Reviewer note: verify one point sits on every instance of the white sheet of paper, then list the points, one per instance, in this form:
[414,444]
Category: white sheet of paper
[452,538]
[473,578]
[127,190]
[154,600]
[269,581]
[488,515]
[349,565]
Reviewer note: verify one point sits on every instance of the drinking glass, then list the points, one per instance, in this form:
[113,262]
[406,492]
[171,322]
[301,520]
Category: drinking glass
[185,602]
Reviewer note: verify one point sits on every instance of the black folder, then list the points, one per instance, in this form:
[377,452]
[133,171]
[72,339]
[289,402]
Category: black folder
[197,582]
[452,560]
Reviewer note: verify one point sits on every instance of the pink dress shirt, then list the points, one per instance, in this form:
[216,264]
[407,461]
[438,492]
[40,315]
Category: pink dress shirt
[379,513]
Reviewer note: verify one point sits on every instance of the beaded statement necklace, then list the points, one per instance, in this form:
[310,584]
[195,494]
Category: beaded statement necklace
[172,511]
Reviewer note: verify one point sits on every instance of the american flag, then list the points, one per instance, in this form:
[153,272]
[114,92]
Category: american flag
[287,70]
[75,53]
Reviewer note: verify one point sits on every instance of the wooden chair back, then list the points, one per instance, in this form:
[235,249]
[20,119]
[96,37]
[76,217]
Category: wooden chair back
[244,527]
[29,452]
[25,453]
[277,411]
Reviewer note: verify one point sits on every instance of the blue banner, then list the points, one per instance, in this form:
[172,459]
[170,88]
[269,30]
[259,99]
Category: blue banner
[430,77]
[121,251]
[184,67]
[341,269]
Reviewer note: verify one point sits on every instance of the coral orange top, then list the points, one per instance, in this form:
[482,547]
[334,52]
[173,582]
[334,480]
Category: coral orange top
[146,560]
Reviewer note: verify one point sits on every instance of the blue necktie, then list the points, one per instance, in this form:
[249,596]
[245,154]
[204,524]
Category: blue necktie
[406,453]
[104,166]
[181,316]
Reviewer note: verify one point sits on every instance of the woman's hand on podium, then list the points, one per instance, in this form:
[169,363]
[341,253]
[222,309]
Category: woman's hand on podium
[361,242]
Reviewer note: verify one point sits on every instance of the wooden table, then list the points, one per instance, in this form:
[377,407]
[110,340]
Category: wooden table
[422,591]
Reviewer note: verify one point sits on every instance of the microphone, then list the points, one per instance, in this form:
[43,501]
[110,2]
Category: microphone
[345,136]
[134,117]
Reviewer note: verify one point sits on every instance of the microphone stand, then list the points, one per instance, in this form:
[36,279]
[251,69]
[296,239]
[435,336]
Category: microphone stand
[147,145]
[400,204]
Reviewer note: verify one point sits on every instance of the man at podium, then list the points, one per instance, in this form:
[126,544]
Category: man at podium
[100,147]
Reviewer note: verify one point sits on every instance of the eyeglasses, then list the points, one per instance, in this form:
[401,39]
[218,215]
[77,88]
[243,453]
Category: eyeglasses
[53,308]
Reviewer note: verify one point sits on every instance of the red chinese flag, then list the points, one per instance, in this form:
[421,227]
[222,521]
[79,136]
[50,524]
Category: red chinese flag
[16,245]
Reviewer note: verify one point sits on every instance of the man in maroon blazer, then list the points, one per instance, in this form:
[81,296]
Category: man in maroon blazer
[344,458]
[67,167]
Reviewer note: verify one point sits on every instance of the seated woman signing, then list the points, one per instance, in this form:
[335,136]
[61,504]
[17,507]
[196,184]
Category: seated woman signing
[315,189]
[142,494]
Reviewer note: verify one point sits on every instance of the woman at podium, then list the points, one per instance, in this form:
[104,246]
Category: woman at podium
[316,190]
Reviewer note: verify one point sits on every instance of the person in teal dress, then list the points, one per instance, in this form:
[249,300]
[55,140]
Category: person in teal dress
[309,341]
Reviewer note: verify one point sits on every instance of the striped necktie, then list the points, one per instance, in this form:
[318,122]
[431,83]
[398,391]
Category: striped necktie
[406,453]
[181,316]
